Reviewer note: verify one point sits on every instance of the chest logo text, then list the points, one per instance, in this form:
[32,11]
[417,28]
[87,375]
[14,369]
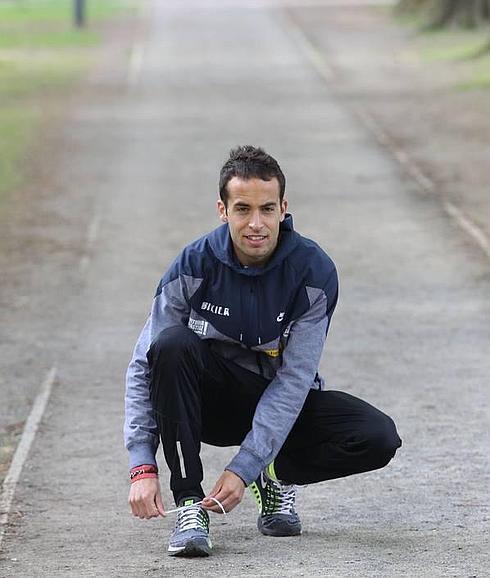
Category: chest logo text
[216,309]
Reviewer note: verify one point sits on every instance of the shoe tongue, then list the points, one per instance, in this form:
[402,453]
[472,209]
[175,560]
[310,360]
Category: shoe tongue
[188,501]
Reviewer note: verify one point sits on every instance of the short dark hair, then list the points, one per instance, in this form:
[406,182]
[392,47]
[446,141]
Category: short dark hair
[249,162]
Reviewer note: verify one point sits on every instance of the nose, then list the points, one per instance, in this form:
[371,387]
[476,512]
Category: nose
[255,221]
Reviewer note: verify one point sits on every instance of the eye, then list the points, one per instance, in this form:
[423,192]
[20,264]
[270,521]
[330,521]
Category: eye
[241,209]
[269,209]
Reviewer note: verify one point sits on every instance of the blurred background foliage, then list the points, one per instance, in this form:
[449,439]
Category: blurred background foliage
[440,13]
[41,54]
[455,31]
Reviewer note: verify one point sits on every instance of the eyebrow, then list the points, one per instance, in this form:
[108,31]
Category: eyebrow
[264,206]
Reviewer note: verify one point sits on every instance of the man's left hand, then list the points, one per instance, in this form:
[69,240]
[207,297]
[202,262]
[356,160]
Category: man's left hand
[228,490]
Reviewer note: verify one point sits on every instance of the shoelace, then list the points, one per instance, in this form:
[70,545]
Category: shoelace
[282,498]
[180,508]
[191,517]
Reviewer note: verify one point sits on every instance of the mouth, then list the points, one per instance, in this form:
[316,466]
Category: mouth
[256,240]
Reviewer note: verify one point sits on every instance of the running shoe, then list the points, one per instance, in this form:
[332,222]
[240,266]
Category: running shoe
[191,534]
[277,516]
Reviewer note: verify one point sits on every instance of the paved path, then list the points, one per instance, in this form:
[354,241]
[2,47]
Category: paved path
[136,174]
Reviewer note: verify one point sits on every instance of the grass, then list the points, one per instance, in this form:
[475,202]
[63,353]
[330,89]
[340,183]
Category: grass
[41,54]
[462,47]
[17,124]
[48,23]
[480,75]
[452,45]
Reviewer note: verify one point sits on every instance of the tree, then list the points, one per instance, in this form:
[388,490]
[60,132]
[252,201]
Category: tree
[79,13]
[467,13]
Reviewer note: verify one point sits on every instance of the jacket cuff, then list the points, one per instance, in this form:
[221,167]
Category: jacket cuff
[142,453]
[246,465]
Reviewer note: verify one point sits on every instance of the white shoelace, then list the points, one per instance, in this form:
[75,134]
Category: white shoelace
[181,508]
[191,518]
[286,498]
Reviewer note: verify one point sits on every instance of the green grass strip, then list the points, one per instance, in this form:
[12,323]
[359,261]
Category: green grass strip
[17,125]
[41,53]
[462,47]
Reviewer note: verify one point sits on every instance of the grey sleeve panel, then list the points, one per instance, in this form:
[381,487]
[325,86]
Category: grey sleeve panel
[170,308]
[284,397]
[190,285]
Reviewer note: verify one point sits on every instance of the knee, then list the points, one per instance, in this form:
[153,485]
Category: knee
[172,343]
[383,440]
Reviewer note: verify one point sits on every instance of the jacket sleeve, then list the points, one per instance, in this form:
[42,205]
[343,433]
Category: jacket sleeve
[284,397]
[170,307]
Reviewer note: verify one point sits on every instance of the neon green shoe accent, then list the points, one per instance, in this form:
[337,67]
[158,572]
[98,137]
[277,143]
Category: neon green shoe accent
[256,494]
[188,502]
[271,472]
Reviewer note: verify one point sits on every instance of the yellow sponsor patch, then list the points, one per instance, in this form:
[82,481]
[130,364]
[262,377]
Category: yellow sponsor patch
[272,352]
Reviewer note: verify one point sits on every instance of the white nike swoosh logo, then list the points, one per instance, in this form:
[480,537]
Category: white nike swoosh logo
[263,481]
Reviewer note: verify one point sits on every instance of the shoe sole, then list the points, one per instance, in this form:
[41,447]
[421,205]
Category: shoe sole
[194,549]
[280,530]
[279,533]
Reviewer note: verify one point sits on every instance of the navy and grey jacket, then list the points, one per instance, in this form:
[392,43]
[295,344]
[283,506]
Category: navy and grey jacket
[272,320]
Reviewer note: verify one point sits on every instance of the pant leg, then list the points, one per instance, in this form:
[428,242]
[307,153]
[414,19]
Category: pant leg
[176,359]
[230,397]
[336,435]
[197,396]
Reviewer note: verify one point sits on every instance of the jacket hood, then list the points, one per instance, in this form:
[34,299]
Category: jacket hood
[222,247]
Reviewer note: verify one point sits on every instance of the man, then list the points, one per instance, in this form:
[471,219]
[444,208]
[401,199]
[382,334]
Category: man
[229,356]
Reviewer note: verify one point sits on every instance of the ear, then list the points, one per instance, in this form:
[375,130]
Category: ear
[284,208]
[223,215]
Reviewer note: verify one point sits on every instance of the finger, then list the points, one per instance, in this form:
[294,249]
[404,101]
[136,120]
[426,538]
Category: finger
[150,509]
[210,504]
[140,504]
[154,512]
[213,507]
[228,505]
[226,499]
[134,507]
[139,509]
[159,505]
[217,488]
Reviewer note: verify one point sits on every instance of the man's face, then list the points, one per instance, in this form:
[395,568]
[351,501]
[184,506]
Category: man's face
[253,213]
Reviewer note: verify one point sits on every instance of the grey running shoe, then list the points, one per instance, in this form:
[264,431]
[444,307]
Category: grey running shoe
[191,534]
[277,516]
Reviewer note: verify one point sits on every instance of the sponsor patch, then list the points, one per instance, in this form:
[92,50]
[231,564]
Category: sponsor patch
[199,326]
[271,352]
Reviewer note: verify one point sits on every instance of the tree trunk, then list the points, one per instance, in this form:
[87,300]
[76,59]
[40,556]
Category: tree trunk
[445,12]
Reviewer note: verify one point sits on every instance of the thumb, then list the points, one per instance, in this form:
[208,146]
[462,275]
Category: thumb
[159,504]
[216,489]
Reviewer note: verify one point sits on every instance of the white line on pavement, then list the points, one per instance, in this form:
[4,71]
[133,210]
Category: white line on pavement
[425,183]
[92,232]
[22,451]
[320,64]
[469,226]
[135,64]
[401,156]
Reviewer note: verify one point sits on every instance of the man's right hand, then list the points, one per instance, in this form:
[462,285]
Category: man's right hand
[145,499]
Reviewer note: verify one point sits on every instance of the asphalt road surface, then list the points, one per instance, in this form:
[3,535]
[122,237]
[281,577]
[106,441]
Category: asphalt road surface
[132,178]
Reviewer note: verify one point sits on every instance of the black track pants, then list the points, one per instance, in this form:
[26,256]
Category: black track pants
[200,397]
